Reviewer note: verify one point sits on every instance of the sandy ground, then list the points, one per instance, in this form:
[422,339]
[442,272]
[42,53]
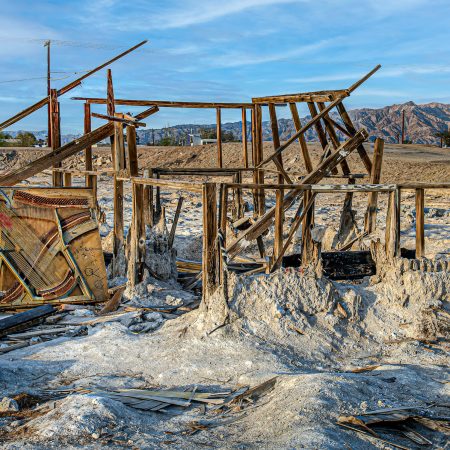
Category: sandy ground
[286,325]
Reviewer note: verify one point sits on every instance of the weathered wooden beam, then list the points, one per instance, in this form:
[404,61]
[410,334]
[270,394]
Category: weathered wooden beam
[319,96]
[175,222]
[119,119]
[301,138]
[352,130]
[63,90]
[392,233]
[278,232]
[375,178]
[420,223]
[320,188]
[169,184]
[133,164]
[244,138]
[260,196]
[307,224]
[47,161]
[276,143]
[166,103]
[210,275]
[219,137]
[262,224]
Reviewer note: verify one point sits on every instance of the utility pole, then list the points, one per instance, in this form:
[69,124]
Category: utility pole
[403,126]
[49,134]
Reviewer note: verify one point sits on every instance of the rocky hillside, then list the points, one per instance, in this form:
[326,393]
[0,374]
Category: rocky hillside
[422,123]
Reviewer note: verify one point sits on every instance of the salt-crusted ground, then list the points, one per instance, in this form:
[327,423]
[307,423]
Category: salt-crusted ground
[308,332]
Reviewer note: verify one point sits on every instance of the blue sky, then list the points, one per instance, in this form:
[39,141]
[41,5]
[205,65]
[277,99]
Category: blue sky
[223,51]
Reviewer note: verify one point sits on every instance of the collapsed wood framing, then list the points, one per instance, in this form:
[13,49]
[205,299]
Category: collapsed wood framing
[222,251]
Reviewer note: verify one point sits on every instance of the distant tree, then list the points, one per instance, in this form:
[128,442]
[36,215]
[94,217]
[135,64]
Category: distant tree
[445,136]
[168,138]
[211,133]
[26,139]
[3,137]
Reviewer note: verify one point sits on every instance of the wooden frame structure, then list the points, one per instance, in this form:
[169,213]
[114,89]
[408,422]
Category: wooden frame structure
[337,137]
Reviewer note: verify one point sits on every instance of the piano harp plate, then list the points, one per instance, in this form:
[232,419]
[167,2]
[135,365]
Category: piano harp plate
[50,247]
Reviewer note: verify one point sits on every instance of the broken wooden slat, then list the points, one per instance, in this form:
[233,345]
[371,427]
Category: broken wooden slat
[175,222]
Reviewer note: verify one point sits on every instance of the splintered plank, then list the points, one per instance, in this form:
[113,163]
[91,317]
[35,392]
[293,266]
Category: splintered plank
[265,221]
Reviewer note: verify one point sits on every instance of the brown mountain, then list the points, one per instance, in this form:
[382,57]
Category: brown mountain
[422,123]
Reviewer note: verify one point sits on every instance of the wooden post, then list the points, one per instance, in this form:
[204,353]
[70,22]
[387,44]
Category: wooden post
[301,139]
[110,106]
[133,165]
[253,130]
[244,137]
[238,209]
[149,210]
[137,235]
[375,177]
[420,223]
[259,156]
[89,179]
[119,166]
[55,133]
[392,239]
[276,138]
[223,211]
[67,179]
[307,224]
[279,212]
[219,137]
[210,267]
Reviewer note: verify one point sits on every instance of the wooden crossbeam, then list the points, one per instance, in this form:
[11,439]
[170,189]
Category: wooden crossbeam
[319,96]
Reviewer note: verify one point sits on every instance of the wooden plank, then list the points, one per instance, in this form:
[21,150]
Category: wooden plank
[307,224]
[24,320]
[278,232]
[301,138]
[265,221]
[167,103]
[375,178]
[420,223]
[261,202]
[47,161]
[210,274]
[119,119]
[244,138]
[276,142]
[352,130]
[169,184]
[320,188]
[318,96]
[392,233]
[223,210]
[65,89]
[175,222]
[219,137]
[133,164]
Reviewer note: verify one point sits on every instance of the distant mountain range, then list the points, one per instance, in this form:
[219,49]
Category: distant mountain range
[422,123]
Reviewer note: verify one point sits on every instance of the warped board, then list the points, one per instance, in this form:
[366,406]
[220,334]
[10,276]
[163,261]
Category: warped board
[50,247]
